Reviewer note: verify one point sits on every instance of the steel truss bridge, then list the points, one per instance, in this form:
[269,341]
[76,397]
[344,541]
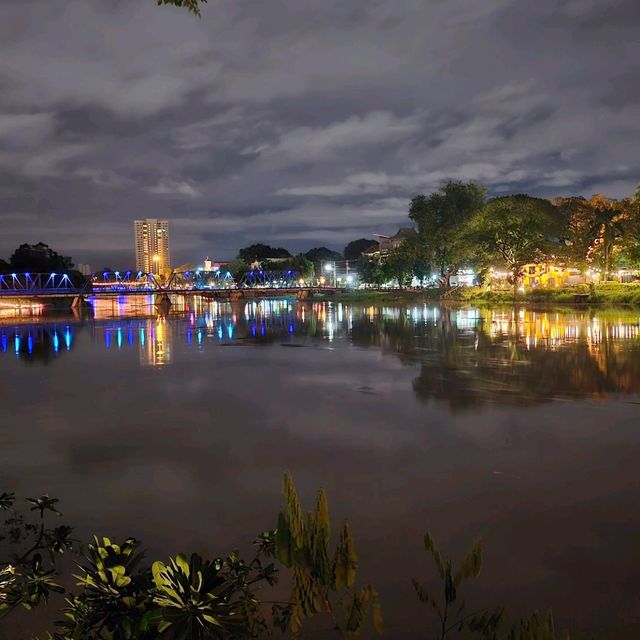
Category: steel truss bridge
[29,284]
[42,285]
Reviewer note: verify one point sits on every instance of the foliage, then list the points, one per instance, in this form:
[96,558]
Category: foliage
[354,249]
[184,599]
[238,268]
[320,583]
[515,230]
[442,218]
[190,5]
[301,264]
[261,252]
[370,270]
[39,258]
[537,627]
[320,255]
[452,614]
[405,261]
[29,551]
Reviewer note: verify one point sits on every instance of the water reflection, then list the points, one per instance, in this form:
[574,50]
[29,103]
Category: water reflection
[465,357]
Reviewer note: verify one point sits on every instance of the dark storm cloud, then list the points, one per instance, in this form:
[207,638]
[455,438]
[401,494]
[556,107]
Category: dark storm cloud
[301,123]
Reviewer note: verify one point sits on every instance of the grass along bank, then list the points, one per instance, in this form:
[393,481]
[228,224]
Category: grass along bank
[601,294]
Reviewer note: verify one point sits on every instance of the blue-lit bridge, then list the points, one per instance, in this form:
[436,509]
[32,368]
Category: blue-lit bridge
[215,284]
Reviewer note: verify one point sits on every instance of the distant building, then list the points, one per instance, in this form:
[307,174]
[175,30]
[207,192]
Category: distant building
[387,243]
[84,269]
[152,245]
[208,264]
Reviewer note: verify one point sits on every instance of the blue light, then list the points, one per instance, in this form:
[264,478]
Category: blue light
[291,327]
[3,342]
[130,339]
[30,344]
[53,275]
[253,330]
[142,336]
[26,274]
[263,329]
[104,275]
[220,332]
[189,336]
[119,337]
[230,331]
[13,275]
[17,344]
[68,339]
[139,274]
[117,273]
[199,336]
[56,342]
[107,338]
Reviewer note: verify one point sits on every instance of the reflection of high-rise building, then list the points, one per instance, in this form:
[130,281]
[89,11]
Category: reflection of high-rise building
[155,343]
[152,245]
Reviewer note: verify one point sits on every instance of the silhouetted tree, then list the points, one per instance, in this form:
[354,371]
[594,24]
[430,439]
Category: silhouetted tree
[259,252]
[355,248]
[39,258]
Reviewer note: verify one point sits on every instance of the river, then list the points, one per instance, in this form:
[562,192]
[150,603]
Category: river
[519,426]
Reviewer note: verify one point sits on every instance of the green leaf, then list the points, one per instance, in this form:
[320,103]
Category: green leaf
[430,546]
[471,565]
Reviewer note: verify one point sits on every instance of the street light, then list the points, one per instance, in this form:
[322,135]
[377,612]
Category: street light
[330,267]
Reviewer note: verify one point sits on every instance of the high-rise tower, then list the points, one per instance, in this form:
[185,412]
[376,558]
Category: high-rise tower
[152,245]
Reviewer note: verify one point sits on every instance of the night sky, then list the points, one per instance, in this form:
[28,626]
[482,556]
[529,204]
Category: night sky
[300,122]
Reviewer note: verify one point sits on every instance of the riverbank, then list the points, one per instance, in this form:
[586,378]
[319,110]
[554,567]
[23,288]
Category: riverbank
[602,294]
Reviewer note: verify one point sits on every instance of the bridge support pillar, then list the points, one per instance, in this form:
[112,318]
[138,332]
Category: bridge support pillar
[163,300]
[78,302]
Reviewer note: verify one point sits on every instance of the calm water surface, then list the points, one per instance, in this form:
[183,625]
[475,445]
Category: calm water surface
[522,427]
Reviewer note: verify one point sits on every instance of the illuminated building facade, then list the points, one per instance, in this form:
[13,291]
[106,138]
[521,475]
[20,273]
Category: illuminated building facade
[152,245]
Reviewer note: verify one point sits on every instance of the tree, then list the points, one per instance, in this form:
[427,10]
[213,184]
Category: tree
[355,248]
[190,5]
[630,243]
[4,266]
[39,258]
[580,229]
[261,252]
[636,195]
[441,219]
[515,230]
[302,265]
[320,255]
[610,217]
[370,270]
[237,268]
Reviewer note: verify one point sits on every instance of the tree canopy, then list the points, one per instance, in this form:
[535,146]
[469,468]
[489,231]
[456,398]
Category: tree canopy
[515,230]
[190,5]
[355,248]
[259,252]
[442,218]
[39,258]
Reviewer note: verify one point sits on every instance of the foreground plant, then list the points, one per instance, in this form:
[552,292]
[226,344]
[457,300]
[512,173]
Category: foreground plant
[184,599]
[28,561]
[321,584]
[450,609]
